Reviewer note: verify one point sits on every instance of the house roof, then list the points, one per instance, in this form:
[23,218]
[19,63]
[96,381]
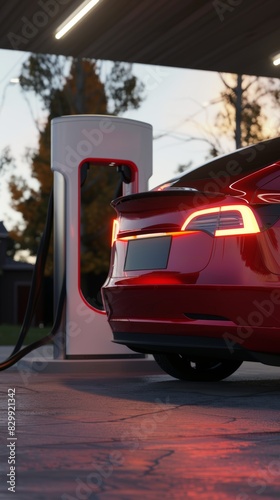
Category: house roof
[3,231]
[15,265]
[9,264]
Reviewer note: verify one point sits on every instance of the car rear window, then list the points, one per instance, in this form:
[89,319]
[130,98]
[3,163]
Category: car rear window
[240,163]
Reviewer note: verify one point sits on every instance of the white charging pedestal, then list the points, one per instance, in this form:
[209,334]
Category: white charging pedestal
[112,141]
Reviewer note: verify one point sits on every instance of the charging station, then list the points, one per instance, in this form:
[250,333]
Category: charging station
[76,141]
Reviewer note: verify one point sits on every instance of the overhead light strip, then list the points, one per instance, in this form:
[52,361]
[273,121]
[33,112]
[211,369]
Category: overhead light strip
[75,17]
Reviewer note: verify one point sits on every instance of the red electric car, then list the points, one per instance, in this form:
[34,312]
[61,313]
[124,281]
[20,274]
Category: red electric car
[195,267]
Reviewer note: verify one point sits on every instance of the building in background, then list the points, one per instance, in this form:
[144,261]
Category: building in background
[15,283]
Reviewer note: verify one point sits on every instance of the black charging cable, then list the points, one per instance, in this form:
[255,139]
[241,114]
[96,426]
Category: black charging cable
[36,285]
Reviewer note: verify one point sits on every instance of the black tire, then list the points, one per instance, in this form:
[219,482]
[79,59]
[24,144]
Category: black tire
[198,369]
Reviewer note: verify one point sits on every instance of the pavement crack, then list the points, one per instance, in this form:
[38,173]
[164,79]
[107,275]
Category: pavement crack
[156,462]
[28,389]
[139,415]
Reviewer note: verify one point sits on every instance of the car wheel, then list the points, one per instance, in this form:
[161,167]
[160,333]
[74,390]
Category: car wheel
[197,369]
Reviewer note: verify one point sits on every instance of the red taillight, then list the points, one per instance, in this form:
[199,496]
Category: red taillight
[115,231]
[223,221]
[218,221]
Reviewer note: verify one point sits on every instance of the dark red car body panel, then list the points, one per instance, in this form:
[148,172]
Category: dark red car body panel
[192,291]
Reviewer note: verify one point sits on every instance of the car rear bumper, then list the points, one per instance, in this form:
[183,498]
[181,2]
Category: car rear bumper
[179,312]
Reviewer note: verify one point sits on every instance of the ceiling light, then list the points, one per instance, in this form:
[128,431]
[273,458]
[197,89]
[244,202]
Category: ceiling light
[276,60]
[75,17]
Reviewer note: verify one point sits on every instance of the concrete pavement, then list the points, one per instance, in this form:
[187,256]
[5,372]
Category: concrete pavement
[112,435]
